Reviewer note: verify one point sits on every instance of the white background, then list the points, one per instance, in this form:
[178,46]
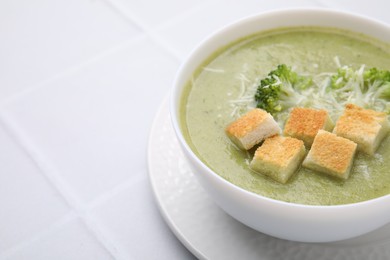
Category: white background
[80,83]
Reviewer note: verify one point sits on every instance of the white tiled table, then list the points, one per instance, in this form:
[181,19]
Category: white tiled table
[80,83]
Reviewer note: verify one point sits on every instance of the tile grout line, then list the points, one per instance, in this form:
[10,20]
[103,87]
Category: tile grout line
[178,18]
[51,174]
[78,209]
[38,236]
[71,70]
[36,158]
[113,192]
[145,31]
[134,19]
[131,17]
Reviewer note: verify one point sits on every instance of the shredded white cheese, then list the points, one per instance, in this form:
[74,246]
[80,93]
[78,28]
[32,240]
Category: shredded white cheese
[337,61]
[213,70]
[318,96]
[245,100]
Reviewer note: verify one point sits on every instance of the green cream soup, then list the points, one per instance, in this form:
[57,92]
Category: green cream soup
[223,86]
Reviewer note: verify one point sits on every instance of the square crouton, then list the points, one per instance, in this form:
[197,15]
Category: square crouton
[252,128]
[365,127]
[304,123]
[331,154]
[279,157]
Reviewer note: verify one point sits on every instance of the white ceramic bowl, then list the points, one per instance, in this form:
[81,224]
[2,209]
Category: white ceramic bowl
[277,218]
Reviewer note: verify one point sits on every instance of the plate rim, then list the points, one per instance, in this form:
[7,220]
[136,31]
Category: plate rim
[168,220]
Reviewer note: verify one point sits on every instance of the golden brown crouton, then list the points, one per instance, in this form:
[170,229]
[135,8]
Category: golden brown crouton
[304,124]
[331,154]
[252,128]
[365,127]
[279,157]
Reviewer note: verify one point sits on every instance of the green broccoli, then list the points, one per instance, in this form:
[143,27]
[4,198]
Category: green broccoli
[283,89]
[374,74]
[378,81]
[367,88]
[280,89]
[341,78]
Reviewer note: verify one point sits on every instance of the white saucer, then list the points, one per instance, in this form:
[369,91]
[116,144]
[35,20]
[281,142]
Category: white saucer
[209,233]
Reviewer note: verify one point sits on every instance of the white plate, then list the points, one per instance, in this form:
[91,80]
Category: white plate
[209,233]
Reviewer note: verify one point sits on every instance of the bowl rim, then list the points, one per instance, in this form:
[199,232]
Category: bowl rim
[177,91]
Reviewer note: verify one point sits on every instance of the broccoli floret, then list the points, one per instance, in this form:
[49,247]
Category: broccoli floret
[341,78]
[378,81]
[283,88]
[367,88]
[280,89]
[373,74]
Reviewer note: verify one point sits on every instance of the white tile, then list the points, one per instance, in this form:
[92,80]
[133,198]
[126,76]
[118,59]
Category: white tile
[186,33]
[152,13]
[28,202]
[41,38]
[92,126]
[133,216]
[71,241]
[378,9]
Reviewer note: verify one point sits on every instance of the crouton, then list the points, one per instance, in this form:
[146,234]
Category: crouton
[331,154]
[252,128]
[304,123]
[365,127]
[279,157]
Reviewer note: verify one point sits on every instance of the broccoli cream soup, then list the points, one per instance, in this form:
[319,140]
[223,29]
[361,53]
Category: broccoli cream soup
[223,88]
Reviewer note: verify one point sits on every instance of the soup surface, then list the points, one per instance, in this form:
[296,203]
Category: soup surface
[222,89]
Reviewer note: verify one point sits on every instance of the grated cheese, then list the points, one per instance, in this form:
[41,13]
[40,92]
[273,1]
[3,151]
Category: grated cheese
[213,70]
[318,96]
